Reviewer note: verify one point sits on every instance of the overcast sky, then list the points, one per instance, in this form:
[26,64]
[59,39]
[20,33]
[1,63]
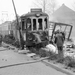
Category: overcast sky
[22,7]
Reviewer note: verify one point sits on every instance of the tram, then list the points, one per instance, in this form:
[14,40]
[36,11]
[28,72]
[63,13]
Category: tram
[34,27]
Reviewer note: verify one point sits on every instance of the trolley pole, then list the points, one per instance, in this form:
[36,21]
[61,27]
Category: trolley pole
[19,33]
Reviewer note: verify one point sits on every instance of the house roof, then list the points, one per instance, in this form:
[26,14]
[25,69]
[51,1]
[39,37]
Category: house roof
[64,14]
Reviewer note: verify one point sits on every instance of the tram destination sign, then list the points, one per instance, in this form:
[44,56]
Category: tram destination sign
[36,10]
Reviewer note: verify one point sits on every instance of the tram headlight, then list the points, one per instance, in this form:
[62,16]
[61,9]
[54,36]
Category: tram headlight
[38,15]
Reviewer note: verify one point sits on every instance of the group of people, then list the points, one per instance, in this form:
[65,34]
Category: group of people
[59,39]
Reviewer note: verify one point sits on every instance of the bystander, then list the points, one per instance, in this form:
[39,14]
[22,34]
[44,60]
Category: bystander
[59,41]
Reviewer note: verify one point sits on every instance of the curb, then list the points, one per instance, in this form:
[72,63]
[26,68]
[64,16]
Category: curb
[63,70]
[22,63]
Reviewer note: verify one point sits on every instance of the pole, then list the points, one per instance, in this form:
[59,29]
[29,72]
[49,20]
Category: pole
[15,9]
[19,33]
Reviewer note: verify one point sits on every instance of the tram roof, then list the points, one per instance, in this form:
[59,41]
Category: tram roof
[29,14]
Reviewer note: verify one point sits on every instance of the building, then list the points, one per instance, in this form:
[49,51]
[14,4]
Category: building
[64,15]
[5,28]
[13,29]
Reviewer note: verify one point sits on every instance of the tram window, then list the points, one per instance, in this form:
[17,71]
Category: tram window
[45,20]
[23,23]
[34,24]
[28,24]
[40,23]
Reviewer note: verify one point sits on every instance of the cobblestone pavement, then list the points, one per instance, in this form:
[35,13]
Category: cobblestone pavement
[9,57]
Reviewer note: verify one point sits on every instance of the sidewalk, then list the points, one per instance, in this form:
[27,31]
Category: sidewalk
[58,67]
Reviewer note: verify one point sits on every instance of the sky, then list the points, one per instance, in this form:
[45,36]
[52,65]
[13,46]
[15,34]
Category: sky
[22,7]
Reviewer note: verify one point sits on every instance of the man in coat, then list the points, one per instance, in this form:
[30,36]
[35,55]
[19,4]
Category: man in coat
[59,41]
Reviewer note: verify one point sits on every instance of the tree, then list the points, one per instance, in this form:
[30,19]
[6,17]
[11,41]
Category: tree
[48,6]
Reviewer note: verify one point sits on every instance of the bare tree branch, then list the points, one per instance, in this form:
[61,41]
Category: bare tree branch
[38,3]
[48,6]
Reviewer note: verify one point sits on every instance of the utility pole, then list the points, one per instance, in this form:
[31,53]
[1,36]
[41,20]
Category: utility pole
[17,27]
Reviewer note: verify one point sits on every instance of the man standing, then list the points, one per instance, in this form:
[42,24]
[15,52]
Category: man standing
[59,41]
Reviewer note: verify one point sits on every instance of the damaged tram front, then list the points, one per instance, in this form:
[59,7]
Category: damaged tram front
[37,31]
[34,28]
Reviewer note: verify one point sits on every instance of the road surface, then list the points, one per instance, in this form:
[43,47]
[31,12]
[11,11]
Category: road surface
[8,59]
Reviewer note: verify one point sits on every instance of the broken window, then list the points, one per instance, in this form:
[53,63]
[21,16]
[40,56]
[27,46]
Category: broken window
[45,25]
[40,23]
[23,25]
[34,24]
[28,24]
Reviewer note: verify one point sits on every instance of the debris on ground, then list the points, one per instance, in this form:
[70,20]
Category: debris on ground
[23,51]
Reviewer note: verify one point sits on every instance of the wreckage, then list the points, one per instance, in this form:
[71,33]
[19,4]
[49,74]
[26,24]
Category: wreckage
[37,31]
[34,29]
